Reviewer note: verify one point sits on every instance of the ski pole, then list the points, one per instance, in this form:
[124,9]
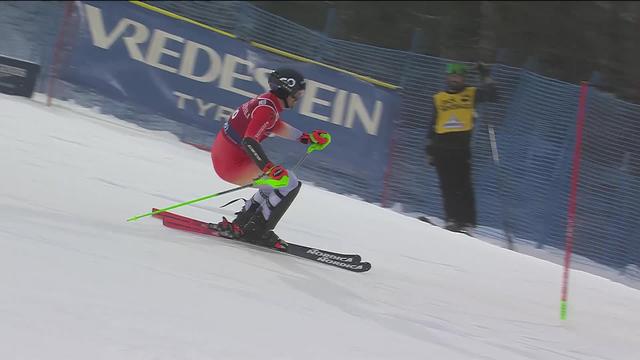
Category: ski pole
[190,202]
[301,160]
[505,214]
[208,196]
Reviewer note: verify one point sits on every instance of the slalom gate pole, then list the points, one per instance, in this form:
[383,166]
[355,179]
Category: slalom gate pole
[572,208]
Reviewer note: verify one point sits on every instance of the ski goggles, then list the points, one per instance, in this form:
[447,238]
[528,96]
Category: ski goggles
[456,69]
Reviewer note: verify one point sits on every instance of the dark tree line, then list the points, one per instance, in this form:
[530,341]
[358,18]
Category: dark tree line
[597,41]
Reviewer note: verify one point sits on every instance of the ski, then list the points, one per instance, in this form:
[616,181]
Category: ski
[350,258]
[428,221]
[344,261]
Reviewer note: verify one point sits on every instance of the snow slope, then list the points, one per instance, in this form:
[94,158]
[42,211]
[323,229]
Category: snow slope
[79,282]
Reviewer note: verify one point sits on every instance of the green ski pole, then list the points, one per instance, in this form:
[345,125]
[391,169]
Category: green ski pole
[190,202]
[208,196]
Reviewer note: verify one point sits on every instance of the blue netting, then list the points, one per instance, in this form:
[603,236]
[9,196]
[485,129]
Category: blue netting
[608,229]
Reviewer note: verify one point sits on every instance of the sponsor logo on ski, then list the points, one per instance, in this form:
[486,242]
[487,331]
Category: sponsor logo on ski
[327,260]
[330,256]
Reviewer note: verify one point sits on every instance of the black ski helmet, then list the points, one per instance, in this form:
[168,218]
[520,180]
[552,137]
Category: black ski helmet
[285,82]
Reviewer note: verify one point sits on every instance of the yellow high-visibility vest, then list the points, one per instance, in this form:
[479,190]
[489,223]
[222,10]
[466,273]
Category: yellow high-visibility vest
[455,111]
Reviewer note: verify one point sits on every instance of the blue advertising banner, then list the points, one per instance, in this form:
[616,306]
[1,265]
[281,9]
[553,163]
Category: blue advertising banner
[196,76]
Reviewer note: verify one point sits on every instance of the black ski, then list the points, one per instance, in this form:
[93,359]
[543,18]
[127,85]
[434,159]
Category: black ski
[345,261]
[428,221]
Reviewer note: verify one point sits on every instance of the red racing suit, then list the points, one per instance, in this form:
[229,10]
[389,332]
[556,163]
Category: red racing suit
[256,119]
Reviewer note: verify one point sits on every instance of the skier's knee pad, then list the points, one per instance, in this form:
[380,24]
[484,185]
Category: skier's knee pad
[281,207]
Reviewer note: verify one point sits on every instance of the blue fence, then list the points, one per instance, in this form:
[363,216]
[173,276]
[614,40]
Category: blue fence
[534,121]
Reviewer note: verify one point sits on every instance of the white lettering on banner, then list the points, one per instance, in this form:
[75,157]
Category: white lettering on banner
[234,74]
[181,99]
[188,64]
[223,113]
[356,107]
[12,70]
[337,112]
[157,48]
[229,73]
[309,98]
[102,40]
[202,107]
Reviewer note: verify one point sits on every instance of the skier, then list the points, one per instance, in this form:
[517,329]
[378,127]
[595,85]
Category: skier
[239,159]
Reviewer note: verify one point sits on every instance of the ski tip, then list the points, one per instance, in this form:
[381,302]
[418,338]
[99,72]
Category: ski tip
[366,266]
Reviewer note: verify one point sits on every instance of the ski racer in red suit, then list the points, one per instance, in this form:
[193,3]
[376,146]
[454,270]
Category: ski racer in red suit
[239,159]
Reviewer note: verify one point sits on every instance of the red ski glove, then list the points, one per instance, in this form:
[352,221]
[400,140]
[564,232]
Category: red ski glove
[276,176]
[275,172]
[319,139]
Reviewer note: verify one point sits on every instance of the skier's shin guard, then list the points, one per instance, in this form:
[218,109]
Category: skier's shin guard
[278,211]
[272,204]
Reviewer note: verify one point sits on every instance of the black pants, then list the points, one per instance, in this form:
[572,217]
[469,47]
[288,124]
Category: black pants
[454,171]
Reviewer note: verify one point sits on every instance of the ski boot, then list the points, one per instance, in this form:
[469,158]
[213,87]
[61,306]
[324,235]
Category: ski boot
[228,229]
[463,228]
[271,240]
[468,228]
[453,226]
[257,232]
[236,229]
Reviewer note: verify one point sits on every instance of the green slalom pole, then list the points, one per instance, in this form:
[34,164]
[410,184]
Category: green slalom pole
[563,310]
[190,202]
